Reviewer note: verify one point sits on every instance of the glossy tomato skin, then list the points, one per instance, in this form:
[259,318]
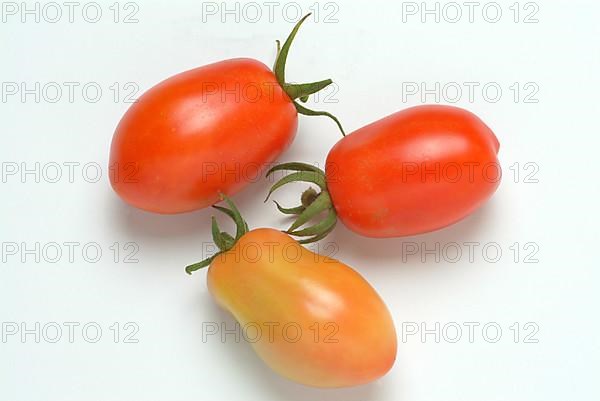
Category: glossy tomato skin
[204,131]
[415,171]
[322,324]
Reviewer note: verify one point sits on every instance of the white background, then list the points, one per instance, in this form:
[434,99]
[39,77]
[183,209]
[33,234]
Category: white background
[372,52]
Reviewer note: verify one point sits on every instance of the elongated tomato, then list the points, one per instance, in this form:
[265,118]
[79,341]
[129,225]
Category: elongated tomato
[209,130]
[198,133]
[415,171]
[312,319]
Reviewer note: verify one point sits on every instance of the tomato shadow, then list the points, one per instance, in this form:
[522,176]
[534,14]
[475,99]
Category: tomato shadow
[239,359]
[419,249]
[139,224]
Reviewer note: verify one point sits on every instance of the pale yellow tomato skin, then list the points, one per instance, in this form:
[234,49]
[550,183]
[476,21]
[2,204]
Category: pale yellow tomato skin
[321,323]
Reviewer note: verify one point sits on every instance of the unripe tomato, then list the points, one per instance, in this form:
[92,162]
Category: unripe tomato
[415,171]
[206,131]
[313,319]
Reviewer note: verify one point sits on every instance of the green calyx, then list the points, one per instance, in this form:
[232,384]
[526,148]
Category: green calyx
[313,203]
[300,92]
[223,240]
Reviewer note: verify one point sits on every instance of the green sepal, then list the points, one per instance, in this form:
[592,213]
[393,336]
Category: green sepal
[328,223]
[317,237]
[217,236]
[299,91]
[295,166]
[322,203]
[278,44]
[284,51]
[312,204]
[222,239]
[237,218]
[229,240]
[294,210]
[308,112]
[303,91]
[304,176]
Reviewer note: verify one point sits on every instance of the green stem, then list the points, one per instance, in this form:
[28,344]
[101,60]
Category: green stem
[299,91]
[222,239]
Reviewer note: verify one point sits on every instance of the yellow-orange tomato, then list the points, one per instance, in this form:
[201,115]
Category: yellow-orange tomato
[320,323]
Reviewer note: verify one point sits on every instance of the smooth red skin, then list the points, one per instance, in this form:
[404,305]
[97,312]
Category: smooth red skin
[370,179]
[168,145]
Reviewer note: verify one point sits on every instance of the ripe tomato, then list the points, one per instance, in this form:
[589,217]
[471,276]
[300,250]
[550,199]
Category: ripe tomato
[206,131]
[415,171]
[313,319]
